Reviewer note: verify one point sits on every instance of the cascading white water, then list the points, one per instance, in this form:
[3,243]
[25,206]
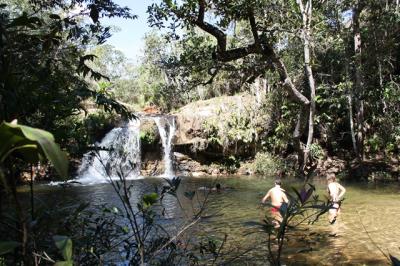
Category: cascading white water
[118,154]
[163,123]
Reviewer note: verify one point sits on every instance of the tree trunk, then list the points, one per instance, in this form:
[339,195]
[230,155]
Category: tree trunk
[306,34]
[358,81]
[296,138]
[353,136]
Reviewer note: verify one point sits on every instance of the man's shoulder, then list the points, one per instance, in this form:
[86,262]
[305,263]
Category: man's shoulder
[277,189]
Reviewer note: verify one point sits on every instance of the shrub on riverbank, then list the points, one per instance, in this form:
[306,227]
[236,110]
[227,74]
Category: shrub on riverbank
[267,164]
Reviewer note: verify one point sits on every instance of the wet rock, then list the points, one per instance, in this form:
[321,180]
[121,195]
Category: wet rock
[199,174]
[179,157]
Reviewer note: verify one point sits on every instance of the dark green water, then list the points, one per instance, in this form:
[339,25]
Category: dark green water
[369,221]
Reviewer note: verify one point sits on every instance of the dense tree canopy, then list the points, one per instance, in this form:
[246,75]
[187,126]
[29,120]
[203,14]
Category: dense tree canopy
[45,75]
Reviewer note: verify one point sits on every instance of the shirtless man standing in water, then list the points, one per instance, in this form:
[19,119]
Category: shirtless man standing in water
[336,192]
[278,196]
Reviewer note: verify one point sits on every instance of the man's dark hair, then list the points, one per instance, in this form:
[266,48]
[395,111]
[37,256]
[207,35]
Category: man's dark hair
[331,177]
[218,186]
[278,182]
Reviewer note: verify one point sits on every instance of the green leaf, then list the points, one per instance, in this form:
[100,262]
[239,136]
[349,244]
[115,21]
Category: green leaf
[297,193]
[9,136]
[150,199]
[64,263]
[32,143]
[54,16]
[64,244]
[8,246]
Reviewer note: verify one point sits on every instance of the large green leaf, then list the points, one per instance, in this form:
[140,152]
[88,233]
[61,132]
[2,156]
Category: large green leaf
[49,147]
[7,246]
[9,136]
[32,143]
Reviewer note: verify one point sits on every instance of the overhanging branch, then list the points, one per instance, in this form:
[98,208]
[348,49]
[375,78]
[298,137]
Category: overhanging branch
[262,47]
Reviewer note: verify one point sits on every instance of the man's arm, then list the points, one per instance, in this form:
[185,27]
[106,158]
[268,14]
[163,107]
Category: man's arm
[342,191]
[266,197]
[285,199]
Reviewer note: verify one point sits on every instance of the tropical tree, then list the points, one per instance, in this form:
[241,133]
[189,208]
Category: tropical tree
[263,48]
[44,61]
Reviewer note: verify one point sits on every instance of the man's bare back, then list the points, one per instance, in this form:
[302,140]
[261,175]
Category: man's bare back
[336,191]
[277,195]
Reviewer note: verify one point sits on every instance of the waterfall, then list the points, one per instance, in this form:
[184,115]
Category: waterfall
[118,152]
[163,123]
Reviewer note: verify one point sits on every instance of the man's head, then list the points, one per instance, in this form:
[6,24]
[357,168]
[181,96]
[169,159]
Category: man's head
[278,182]
[331,177]
[280,174]
[218,186]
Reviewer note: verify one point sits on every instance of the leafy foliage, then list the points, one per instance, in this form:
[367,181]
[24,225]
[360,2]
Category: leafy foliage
[267,164]
[30,145]
[8,246]
[44,63]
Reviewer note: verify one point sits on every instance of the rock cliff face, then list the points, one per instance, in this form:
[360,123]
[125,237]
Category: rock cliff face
[208,132]
[226,124]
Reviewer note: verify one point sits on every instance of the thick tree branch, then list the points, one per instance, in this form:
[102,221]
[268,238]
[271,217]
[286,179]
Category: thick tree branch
[211,29]
[261,47]
[237,53]
[253,26]
[285,79]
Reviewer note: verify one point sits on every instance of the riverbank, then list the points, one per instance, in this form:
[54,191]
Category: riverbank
[377,169]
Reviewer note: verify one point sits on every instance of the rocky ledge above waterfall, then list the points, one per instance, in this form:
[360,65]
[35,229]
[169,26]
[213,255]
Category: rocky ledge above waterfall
[208,134]
[226,125]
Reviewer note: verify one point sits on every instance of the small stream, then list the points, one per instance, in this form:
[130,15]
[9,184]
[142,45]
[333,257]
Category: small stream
[368,222]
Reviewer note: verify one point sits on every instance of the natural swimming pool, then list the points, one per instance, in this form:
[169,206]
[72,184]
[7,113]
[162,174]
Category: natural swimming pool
[367,227]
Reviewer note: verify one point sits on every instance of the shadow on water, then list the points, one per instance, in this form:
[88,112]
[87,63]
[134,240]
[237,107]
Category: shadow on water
[368,222]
